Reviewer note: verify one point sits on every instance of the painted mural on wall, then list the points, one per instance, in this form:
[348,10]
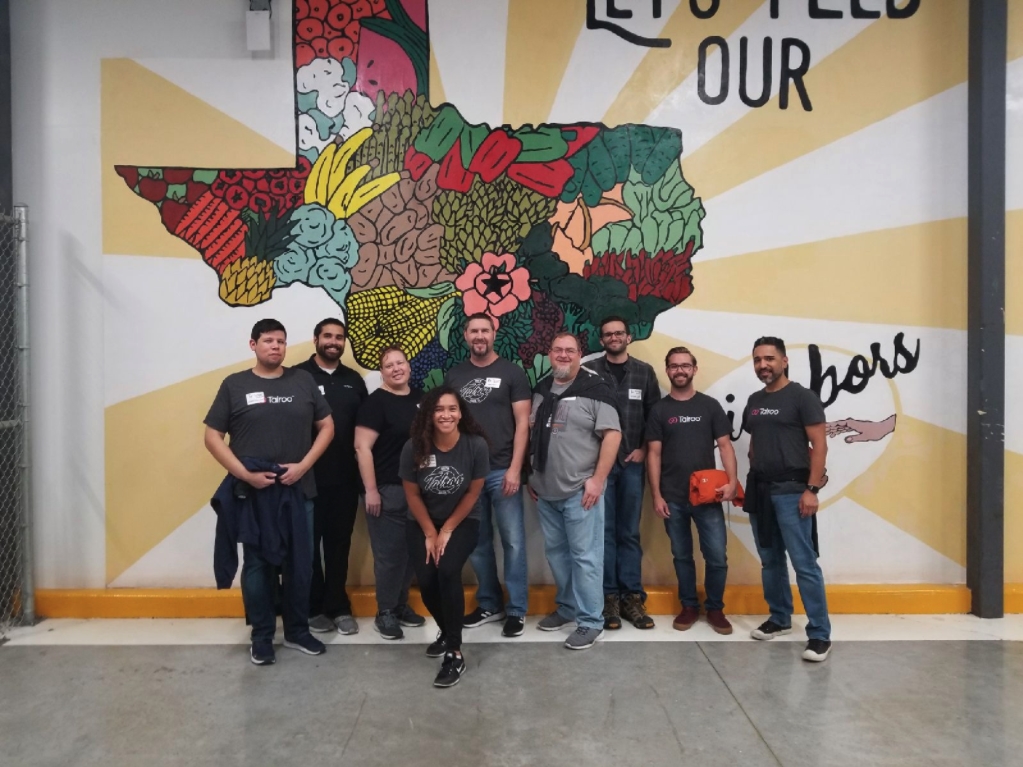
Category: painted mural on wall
[411,218]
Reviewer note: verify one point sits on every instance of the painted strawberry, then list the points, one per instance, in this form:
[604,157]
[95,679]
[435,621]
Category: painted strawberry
[171,212]
[152,189]
[194,190]
[129,173]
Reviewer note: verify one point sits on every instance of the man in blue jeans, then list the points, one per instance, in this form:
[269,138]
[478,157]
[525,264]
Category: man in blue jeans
[681,434]
[271,413]
[634,384]
[497,392]
[574,438]
[788,450]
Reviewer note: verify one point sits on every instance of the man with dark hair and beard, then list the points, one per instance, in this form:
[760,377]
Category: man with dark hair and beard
[496,392]
[337,481]
[574,437]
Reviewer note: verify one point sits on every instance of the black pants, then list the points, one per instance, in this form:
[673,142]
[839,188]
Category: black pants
[334,510]
[441,585]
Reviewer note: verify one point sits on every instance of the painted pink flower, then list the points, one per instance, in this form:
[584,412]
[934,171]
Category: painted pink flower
[494,285]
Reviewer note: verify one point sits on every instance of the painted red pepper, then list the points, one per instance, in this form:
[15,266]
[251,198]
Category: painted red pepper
[417,163]
[452,175]
[497,152]
[547,178]
[584,134]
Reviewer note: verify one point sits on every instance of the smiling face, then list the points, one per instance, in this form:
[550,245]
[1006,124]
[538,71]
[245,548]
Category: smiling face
[614,337]
[446,415]
[330,343]
[565,357]
[681,370]
[479,336]
[395,370]
[769,363]
[270,349]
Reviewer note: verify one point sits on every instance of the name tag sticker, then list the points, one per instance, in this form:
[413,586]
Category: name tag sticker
[321,390]
[430,462]
[255,398]
[635,394]
[493,383]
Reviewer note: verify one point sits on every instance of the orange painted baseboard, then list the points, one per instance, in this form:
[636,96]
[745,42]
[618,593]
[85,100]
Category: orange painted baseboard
[661,600]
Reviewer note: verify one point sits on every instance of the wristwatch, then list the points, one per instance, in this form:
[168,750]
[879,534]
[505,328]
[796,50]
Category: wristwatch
[813,489]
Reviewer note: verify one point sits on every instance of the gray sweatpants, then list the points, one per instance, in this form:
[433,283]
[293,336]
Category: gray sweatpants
[392,566]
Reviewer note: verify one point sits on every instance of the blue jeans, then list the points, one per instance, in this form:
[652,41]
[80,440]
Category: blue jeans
[792,534]
[710,524]
[574,543]
[507,511]
[259,589]
[623,505]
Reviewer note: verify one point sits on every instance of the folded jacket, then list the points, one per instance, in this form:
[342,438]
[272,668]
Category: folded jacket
[758,503]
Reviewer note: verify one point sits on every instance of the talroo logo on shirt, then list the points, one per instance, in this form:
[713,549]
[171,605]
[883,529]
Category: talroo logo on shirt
[444,480]
[763,411]
[684,419]
[475,391]
[280,400]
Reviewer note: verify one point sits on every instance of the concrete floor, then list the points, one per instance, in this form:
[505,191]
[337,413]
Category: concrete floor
[622,703]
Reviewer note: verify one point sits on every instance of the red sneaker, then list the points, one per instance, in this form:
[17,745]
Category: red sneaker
[718,621]
[685,619]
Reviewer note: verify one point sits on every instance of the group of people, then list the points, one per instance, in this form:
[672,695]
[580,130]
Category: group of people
[439,471]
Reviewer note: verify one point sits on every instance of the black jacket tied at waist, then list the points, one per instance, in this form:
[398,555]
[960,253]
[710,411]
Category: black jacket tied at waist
[272,519]
[586,385]
[758,503]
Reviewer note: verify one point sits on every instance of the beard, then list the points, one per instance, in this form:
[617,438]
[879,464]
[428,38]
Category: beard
[681,381]
[768,376]
[330,352]
[479,349]
[561,373]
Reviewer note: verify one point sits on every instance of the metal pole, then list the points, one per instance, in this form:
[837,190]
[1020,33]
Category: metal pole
[985,429]
[28,605]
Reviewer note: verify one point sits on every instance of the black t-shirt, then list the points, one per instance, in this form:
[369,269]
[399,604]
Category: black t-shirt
[390,416]
[345,391]
[617,369]
[688,432]
[270,418]
[776,422]
[444,478]
[490,391]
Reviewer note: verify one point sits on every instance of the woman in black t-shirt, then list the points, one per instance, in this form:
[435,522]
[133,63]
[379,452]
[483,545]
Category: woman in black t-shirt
[443,467]
[382,427]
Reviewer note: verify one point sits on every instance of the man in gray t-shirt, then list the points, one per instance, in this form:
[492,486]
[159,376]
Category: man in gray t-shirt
[575,433]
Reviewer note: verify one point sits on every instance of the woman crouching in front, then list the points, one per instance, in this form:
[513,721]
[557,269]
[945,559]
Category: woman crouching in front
[443,467]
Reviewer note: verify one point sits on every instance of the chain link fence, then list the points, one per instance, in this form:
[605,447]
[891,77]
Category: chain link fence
[16,603]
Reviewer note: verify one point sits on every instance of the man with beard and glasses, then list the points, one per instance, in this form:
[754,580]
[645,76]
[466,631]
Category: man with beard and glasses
[337,481]
[266,501]
[574,437]
[681,434]
[497,394]
[788,449]
[634,384]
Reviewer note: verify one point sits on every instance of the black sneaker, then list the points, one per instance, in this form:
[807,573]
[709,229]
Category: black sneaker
[438,647]
[387,626]
[817,650]
[513,626]
[409,617]
[451,670]
[308,644]
[768,630]
[479,616]
[262,654]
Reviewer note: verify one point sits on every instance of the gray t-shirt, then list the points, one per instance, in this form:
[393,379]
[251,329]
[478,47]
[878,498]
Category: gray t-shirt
[776,422]
[490,392]
[688,430]
[576,430]
[444,477]
[270,418]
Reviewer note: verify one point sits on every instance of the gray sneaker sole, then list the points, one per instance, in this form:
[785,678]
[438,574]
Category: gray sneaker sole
[549,627]
[349,631]
[300,648]
[321,629]
[584,646]
[758,634]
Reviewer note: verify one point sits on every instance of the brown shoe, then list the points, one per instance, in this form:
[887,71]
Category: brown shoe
[634,611]
[612,612]
[685,619]
[718,621]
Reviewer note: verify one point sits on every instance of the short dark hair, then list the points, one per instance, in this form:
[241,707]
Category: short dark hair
[329,321]
[566,334]
[612,318]
[267,326]
[774,341]
[678,350]
[387,350]
[480,316]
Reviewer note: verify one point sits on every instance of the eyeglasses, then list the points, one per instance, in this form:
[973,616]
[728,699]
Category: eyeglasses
[564,350]
[616,334]
[683,366]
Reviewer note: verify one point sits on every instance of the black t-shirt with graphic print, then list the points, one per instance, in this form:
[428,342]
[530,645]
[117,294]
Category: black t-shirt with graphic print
[688,431]
[490,391]
[444,477]
[776,422]
[270,418]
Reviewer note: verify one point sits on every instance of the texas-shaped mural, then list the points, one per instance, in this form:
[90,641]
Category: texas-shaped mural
[410,217]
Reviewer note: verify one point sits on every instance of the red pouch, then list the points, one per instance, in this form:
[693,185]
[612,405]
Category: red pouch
[703,487]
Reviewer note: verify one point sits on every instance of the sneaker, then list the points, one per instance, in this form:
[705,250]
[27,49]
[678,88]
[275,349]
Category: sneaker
[321,624]
[817,650]
[718,621]
[768,630]
[451,670]
[388,626]
[438,647]
[612,612]
[308,644]
[634,612]
[583,639]
[553,622]
[479,616]
[685,619]
[346,625]
[409,617]
[513,626]
[262,654]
